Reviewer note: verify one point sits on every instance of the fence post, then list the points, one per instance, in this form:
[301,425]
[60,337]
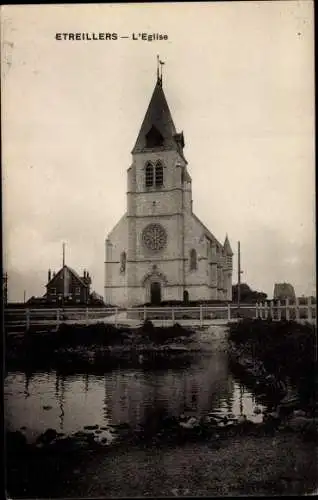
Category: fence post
[297,309]
[27,311]
[229,312]
[271,315]
[279,311]
[309,314]
[86,316]
[256,310]
[172,314]
[57,318]
[287,309]
[201,315]
[145,313]
[266,310]
[116,313]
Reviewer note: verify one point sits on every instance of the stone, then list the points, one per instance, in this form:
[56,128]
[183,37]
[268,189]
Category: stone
[48,436]
[242,419]
[299,413]
[300,423]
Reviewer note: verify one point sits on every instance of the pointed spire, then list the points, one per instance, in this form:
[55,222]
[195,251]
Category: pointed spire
[227,246]
[157,129]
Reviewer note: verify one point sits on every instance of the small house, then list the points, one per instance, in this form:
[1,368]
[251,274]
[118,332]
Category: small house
[68,287]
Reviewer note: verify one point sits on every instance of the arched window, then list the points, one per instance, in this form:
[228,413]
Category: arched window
[159,174]
[149,177]
[123,262]
[193,260]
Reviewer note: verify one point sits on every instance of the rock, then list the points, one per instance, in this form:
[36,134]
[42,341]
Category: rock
[242,419]
[104,439]
[300,423]
[190,424]
[80,434]
[299,413]
[273,415]
[48,436]
[210,420]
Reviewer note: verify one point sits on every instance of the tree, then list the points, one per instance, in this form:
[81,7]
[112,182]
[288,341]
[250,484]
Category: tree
[247,295]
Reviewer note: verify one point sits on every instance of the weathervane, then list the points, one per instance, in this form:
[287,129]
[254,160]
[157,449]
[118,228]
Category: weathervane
[159,69]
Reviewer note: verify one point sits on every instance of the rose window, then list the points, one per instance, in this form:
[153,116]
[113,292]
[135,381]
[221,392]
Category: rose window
[154,237]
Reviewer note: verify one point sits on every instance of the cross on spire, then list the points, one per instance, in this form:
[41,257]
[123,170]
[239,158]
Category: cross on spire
[159,70]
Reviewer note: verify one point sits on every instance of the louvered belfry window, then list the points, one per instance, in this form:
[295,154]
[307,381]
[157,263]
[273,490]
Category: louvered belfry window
[159,175]
[149,177]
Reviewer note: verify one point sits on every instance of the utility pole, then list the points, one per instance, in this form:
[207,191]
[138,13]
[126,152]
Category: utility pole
[239,272]
[64,271]
[5,288]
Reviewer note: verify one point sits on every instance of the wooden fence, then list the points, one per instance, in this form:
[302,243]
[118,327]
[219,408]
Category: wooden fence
[203,315]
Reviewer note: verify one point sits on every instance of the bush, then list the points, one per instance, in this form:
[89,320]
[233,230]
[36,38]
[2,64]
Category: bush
[286,348]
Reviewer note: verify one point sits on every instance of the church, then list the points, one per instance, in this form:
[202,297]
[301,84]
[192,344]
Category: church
[160,250]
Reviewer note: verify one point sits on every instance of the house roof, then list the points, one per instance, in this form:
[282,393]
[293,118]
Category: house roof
[158,116]
[71,271]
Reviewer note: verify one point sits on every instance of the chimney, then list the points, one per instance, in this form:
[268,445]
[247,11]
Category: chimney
[49,275]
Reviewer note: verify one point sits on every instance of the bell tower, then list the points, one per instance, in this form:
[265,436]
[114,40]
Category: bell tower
[159,191]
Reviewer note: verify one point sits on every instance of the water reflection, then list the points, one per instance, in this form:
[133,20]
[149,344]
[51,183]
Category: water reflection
[67,403]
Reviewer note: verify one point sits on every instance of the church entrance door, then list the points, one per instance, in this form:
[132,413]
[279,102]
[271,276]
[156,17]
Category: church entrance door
[155,293]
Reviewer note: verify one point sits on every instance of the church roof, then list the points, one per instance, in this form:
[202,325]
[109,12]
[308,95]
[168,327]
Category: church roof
[227,246]
[158,122]
[207,231]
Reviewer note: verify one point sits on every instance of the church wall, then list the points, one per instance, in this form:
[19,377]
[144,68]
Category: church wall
[194,240]
[116,243]
[156,203]
[199,292]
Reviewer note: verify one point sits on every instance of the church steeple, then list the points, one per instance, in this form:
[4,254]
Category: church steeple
[158,130]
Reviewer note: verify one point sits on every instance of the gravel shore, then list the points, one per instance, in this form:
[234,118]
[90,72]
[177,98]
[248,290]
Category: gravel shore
[255,465]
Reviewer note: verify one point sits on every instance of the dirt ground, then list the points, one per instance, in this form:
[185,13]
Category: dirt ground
[241,465]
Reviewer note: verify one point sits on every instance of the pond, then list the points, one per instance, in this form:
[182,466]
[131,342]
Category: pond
[69,402]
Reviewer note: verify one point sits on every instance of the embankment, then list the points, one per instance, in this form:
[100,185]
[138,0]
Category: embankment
[278,358]
[101,345]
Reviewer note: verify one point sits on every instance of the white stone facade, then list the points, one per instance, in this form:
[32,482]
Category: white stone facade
[177,258]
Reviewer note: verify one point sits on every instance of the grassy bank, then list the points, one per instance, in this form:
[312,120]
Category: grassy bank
[99,344]
[285,351]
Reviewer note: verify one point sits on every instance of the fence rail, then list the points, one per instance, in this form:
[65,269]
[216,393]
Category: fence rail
[201,315]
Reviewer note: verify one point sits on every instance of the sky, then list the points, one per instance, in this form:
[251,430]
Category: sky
[239,81]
